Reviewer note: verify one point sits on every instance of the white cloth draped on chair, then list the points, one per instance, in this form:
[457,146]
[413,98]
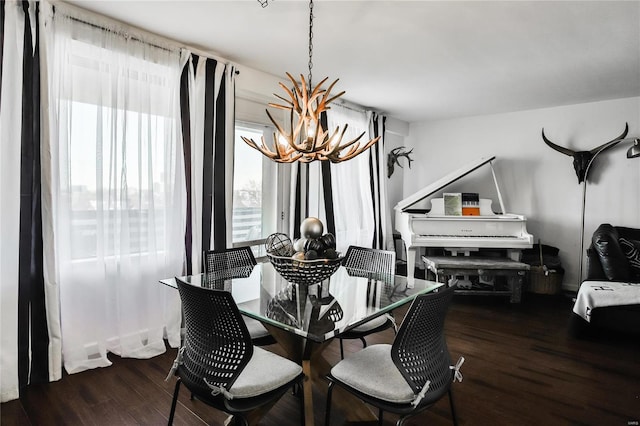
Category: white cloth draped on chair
[113,166]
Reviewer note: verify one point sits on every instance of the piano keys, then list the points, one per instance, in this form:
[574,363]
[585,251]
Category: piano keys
[459,234]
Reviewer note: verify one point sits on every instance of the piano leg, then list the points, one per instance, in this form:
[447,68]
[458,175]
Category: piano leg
[411,261]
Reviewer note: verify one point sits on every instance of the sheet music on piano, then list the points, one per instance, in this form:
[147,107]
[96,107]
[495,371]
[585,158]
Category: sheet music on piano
[459,234]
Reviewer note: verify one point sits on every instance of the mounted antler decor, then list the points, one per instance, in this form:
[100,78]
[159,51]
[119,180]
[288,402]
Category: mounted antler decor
[306,140]
[582,159]
[582,162]
[394,156]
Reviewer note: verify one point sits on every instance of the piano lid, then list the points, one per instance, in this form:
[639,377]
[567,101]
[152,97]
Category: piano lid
[443,182]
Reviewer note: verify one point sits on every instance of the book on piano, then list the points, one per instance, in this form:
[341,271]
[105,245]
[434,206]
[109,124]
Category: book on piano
[470,204]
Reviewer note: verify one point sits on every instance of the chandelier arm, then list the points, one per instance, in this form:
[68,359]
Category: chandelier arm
[335,97]
[334,147]
[325,141]
[353,141]
[359,151]
[328,91]
[294,98]
[300,91]
[281,150]
[295,94]
[295,132]
[287,101]
[318,88]
[277,126]
[278,106]
[319,137]
[264,150]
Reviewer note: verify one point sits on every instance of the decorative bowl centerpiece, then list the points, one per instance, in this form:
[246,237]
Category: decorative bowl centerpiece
[310,259]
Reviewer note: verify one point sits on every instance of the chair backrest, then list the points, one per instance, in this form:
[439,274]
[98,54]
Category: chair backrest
[229,263]
[217,344]
[361,259]
[420,350]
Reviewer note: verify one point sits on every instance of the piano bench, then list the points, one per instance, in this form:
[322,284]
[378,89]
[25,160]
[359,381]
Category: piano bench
[451,266]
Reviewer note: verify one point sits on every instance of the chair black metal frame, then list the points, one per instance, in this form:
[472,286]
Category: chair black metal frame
[420,353]
[228,263]
[234,263]
[216,349]
[369,263]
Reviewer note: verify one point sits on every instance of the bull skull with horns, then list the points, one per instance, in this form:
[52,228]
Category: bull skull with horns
[581,159]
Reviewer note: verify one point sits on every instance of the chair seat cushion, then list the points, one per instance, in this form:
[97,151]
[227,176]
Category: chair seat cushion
[255,327]
[373,372]
[265,372]
[372,324]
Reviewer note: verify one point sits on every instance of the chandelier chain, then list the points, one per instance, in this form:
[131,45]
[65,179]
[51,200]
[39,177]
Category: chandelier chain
[310,42]
[306,140]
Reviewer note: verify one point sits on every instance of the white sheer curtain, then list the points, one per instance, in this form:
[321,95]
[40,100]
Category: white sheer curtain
[113,164]
[10,119]
[351,184]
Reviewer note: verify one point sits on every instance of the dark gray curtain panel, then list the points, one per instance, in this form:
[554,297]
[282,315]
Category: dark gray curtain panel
[33,335]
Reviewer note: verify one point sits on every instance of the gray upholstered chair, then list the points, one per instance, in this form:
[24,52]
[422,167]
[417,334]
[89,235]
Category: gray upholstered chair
[218,362]
[369,263]
[235,263]
[410,375]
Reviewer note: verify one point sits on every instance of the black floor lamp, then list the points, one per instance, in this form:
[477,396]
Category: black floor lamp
[633,152]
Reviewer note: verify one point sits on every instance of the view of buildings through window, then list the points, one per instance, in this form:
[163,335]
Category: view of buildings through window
[114,192]
[254,189]
[87,190]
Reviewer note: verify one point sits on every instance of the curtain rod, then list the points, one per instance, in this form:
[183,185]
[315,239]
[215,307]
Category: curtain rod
[100,27]
[79,10]
[356,109]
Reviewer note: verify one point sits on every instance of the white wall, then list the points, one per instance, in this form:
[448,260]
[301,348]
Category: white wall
[535,180]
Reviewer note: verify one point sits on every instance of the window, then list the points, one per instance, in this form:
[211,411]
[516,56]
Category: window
[141,148]
[256,209]
[118,146]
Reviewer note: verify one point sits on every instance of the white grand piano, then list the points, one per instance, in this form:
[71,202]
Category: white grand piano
[460,234]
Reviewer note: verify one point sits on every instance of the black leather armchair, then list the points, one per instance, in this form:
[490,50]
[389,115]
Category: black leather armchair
[606,261]
[605,258]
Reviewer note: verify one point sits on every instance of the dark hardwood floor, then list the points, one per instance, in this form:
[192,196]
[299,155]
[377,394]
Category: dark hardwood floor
[522,368]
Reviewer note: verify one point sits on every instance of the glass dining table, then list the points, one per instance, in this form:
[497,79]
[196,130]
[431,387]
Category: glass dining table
[304,319]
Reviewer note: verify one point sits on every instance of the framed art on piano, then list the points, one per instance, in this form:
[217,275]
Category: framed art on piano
[452,203]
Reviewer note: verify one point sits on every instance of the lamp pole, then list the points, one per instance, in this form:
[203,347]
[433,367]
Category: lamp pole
[584,193]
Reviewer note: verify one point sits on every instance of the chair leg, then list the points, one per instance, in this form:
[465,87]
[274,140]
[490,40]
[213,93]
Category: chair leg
[327,412]
[453,408]
[380,413]
[341,350]
[300,395]
[364,342]
[174,401]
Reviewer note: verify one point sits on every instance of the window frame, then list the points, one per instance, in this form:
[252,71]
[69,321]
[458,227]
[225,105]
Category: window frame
[274,174]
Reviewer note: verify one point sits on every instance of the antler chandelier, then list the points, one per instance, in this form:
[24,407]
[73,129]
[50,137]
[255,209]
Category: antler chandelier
[306,140]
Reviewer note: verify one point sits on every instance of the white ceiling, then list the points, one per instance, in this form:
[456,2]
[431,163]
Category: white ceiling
[419,60]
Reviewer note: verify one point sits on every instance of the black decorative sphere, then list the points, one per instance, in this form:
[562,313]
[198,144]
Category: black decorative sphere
[311,255]
[329,240]
[330,253]
[314,245]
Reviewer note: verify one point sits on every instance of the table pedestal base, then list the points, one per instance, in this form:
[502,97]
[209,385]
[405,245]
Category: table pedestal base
[316,367]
